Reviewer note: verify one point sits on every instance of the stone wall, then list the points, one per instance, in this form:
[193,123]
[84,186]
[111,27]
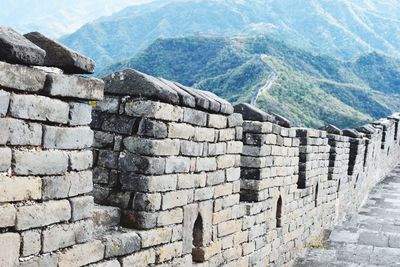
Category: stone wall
[180,177]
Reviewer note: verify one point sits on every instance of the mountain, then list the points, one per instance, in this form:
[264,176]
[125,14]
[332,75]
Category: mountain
[340,28]
[57,18]
[310,89]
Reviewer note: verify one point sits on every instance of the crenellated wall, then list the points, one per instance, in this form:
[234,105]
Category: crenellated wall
[180,176]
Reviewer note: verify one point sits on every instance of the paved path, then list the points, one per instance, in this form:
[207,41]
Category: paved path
[371,238]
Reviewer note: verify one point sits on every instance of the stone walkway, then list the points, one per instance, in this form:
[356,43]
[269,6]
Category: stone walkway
[370,238]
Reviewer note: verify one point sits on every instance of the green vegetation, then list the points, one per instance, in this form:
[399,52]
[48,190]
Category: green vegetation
[311,89]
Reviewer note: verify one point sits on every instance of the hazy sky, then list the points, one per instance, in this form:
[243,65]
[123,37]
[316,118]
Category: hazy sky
[56,17]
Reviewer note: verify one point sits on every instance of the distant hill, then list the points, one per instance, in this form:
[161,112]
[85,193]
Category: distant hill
[310,89]
[340,28]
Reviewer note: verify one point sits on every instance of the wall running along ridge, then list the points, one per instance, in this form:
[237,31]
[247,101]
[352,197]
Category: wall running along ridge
[180,177]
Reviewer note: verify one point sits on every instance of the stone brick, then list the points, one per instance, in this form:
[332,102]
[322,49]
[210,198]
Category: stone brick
[5,159]
[146,202]
[164,147]
[106,216]
[168,252]
[22,133]
[205,135]
[66,235]
[48,260]
[109,104]
[177,165]
[118,124]
[20,188]
[21,77]
[42,214]
[80,160]
[174,199]
[81,207]
[226,135]
[74,86]
[214,178]
[4,102]
[189,148]
[142,258]
[155,237]
[81,182]
[151,109]
[174,216]
[8,215]
[234,120]
[31,242]
[10,250]
[203,193]
[103,140]
[141,183]
[217,121]
[181,131]
[55,187]
[121,243]
[141,164]
[40,108]
[67,138]
[206,164]
[27,162]
[194,117]
[152,128]
[82,254]
[107,159]
[80,114]
[216,149]
[139,219]
[110,263]
[229,227]
[226,161]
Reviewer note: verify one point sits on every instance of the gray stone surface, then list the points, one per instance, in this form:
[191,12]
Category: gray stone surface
[80,114]
[121,243]
[21,77]
[252,113]
[57,55]
[135,83]
[332,129]
[4,102]
[15,48]
[74,86]
[352,133]
[67,138]
[367,238]
[28,162]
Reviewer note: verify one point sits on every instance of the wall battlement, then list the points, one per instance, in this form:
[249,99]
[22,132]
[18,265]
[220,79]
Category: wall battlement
[177,177]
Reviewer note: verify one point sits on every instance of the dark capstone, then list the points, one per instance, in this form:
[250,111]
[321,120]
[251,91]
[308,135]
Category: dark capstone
[225,106]
[367,129]
[214,104]
[135,83]
[351,133]
[332,129]
[201,102]
[154,129]
[282,121]
[251,113]
[57,55]
[186,98]
[15,48]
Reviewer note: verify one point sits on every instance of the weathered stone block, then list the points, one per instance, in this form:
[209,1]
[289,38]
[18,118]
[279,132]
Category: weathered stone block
[140,164]
[109,104]
[67,138]
[108,159]
[8,215]
[174,216]
[10,250]
[146,202]
[31,242]
[229,227]
[74,86]
[189,148]
[48,260]
[152,128]
[168,252]
[118,124]
[174,199]
[82,254]
[20,188]
[206,164]
[15,48]
[5,159]
[164,147]
[81,182]
[195,117]
[21,77]
[181,131]
[155,237]
[4,102]
[21,133]
[57,55]
[81,207]
[151,109]
[27,162]
[217,121]
[141,183]
[177,165]
[139,219]
[205,135]
[120,243]
[105,216]
[40,108]
[80,160]
[142,258]
[42,214]
[80,114]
